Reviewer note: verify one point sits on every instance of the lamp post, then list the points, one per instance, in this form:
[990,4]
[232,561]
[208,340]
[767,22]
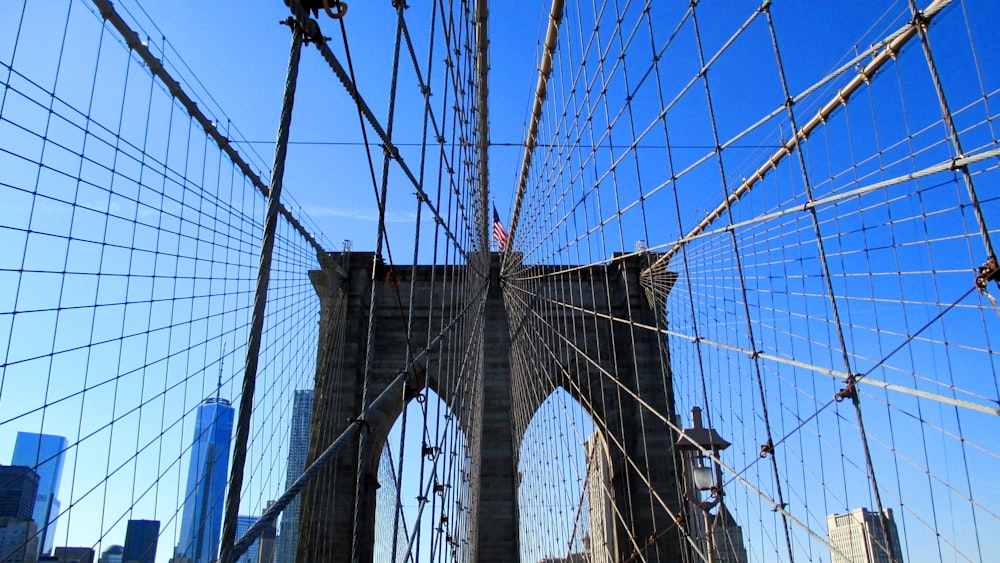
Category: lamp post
[702,472]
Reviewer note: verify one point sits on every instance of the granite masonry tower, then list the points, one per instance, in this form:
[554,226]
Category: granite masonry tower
[339,502]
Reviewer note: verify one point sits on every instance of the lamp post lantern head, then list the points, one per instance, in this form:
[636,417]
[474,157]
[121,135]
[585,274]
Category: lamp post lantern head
[700,438]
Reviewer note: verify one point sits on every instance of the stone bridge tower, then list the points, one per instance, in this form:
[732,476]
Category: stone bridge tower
[338,508]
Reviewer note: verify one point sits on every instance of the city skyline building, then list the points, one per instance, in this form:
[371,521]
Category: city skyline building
[18,540]
[298,448]
[727,537]
[45,453]
[243,523]
[18,487]
[113,554]
[140,541]
[208,469]
[857,536]
[75,554]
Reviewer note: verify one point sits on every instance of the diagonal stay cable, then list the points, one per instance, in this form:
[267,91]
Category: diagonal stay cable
[866,378]
[862,78]
[776,507]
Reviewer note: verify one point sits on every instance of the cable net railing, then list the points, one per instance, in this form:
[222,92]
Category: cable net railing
[131,243]
[780,216]
[814,196]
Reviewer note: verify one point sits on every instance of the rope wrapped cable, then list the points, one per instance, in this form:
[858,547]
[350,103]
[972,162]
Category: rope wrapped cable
[235,485]
[579,224]
[875,200]
[271,514]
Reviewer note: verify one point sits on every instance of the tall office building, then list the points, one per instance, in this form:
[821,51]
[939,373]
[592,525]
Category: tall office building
[243,523]
[18,486]
[298,447]
[857,537]
[208,469]
[140,541]
[45,454]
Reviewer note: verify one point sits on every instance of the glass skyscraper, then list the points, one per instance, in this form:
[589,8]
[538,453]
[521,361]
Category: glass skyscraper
[298,447]
[45,454]
[208,470]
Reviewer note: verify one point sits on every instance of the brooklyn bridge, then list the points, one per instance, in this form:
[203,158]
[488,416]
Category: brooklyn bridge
[471,281]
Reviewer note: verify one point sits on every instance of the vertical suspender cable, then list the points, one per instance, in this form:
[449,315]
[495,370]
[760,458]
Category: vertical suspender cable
[260,301]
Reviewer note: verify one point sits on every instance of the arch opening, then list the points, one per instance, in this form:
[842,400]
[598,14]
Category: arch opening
[565,501]
[422,507]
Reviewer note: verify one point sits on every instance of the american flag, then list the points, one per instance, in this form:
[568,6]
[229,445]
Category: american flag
[499,233]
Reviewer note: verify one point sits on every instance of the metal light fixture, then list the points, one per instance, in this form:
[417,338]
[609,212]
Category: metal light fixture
[704,474]
[700,440]
[703,477]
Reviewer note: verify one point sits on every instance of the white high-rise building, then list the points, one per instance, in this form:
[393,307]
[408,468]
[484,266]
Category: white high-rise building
[857,537]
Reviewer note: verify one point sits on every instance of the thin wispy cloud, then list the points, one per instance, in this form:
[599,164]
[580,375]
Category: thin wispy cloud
[371,214]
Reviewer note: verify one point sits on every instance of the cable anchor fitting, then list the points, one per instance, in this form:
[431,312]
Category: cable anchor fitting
[430,452]
[988,272]
[767,449]
[410,390]
[308,28]
[391,150]
[391,281]
[341,9]
[849,391]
